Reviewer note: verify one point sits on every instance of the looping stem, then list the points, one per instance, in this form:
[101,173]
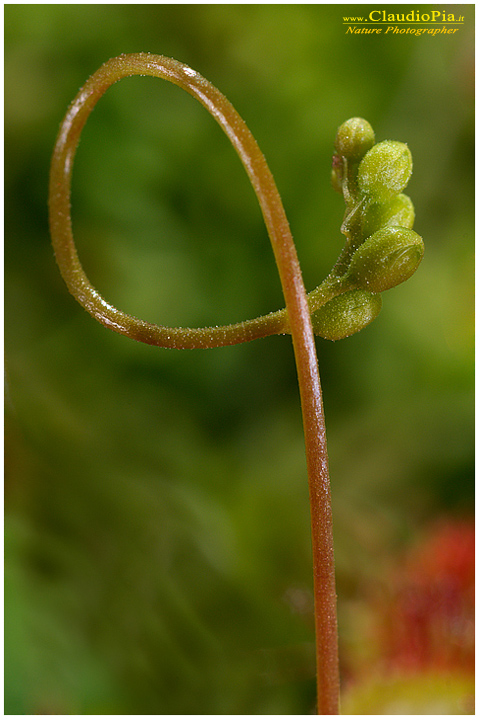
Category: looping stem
[297,319]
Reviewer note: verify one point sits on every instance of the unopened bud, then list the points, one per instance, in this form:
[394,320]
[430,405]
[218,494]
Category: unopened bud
[354,138]
[386,259]
[400,212]
[385,170]
[346,314]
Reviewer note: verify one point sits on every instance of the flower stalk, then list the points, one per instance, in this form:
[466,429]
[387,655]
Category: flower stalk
[296,320]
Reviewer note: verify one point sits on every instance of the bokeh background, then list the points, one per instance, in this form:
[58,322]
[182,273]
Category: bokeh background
[157,524]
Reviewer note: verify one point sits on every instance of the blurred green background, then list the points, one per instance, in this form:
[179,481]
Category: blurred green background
[157,523]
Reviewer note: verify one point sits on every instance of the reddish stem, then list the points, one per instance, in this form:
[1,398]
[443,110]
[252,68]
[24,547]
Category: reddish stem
[295,298]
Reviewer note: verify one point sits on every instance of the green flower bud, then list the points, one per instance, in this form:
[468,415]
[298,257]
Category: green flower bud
[387,258]
[346,314]
[400,212]
[354,138]
[385,170]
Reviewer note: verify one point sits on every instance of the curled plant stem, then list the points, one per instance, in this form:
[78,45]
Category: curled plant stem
[60,220]
[296,320]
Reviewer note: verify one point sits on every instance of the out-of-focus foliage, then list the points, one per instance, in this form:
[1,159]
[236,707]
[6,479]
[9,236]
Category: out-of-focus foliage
[157,521]
[411,648]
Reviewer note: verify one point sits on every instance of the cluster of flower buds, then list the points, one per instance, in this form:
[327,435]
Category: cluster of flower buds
[382,250]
